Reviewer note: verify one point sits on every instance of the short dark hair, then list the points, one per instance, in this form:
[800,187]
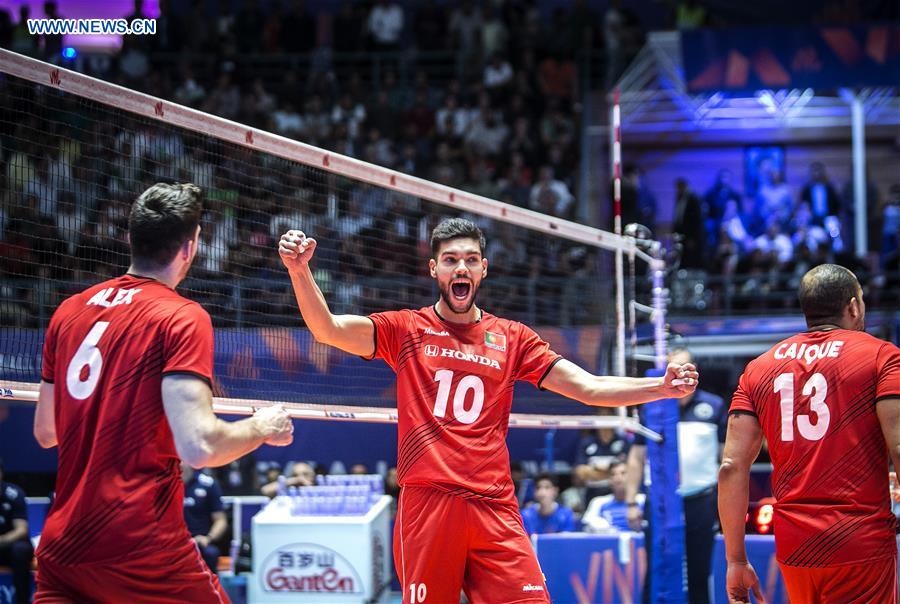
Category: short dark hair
[548,477]
[161,220]
[456,228]
[825,291]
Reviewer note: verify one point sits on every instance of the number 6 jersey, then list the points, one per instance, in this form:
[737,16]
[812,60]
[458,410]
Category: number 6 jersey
[119,491]
[815,395]
[454,393]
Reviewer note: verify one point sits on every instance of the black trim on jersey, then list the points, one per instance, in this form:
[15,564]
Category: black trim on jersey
[823,327]
[883,397]
[374,341]
[549,367]
[743,412]
[186,372]
[46,380]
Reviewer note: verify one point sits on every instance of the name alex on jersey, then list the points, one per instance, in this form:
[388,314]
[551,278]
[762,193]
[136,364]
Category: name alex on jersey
[810,353]
[122,296]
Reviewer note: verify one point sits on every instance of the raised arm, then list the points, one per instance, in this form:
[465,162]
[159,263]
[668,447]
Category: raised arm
[350,333]
[204,440]
[742,445]
[570,380]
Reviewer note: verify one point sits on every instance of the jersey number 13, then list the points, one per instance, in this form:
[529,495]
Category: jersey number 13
[815,386]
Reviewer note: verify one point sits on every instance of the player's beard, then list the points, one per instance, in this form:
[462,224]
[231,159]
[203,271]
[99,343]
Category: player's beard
[455,305]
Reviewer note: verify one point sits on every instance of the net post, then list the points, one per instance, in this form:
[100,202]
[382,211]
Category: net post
[616,158]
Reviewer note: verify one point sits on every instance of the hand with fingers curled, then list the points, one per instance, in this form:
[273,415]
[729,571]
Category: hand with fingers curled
[275,424]
[740,580]
[296,249]
[681,379]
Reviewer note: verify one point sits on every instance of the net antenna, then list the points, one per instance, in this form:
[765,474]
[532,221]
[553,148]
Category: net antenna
[173,114]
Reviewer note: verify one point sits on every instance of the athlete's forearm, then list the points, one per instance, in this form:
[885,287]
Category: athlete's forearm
[734,497]
[312,304]
[224,441]
[615,391]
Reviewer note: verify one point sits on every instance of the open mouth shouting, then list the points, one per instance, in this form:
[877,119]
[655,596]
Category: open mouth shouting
[460,295]
[460,290]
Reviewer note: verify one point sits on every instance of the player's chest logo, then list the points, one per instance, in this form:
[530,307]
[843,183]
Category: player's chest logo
[444,354]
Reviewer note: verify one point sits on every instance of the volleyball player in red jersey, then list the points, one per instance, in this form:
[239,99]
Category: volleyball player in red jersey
[828,403]
[458,525]
[125,391]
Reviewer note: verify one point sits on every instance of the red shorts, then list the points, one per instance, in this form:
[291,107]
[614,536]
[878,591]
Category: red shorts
[867,583]
[444,544]
[170,577]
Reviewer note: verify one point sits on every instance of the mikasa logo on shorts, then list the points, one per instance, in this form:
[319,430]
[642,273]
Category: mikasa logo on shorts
[432,351]
[531,587]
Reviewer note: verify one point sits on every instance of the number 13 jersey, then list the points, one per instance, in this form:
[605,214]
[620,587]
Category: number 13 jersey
[454,392]
[815,394]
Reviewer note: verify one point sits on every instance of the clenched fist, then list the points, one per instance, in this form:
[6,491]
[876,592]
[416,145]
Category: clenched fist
[681,379]
[296,249]
[276,425]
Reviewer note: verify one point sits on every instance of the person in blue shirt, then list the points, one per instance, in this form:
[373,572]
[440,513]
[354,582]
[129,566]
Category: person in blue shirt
[203,513]
[608,512]
[15,546]
[547,515]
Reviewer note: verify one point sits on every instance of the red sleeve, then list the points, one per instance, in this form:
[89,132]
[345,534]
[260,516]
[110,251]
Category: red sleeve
[888,363]
[188,343]
[48,365]
[741,400]
[535,358]
[389,327]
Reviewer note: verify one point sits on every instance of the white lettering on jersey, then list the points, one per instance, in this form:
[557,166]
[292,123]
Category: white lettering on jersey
[431,332]
[469,357]
[809,353]
[123,296]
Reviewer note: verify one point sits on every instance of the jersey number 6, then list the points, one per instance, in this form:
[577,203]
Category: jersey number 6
[815,386]
[444,378]
[87,357]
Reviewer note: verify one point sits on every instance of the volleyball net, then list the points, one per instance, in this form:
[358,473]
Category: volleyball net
[77,151]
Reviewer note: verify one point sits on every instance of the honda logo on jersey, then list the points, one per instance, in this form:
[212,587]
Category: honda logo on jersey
[433,351]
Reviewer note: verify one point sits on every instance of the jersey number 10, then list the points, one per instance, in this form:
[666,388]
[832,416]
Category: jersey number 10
[444,378]
[815,386]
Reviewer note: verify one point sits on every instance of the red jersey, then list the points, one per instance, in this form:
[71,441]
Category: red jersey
[119,493]
[815,395]
[454,393]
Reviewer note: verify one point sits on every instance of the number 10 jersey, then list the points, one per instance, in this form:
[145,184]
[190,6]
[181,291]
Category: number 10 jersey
[454,393]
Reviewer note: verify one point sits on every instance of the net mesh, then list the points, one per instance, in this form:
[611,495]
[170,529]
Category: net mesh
[72,166]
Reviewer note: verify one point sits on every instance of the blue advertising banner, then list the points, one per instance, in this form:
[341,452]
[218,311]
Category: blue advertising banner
[593,569]
[590,569]
[750,59]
